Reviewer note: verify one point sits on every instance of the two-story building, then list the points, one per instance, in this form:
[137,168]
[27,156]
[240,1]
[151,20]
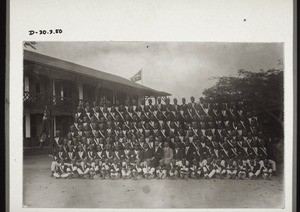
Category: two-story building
[61,85]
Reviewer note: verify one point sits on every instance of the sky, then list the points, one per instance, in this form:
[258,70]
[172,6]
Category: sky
[183,69]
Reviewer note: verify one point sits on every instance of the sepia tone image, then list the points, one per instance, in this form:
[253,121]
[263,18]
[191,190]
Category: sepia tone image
[153,125]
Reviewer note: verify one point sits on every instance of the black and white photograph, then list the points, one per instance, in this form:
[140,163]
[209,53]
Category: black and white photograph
[113,124]
[138,105]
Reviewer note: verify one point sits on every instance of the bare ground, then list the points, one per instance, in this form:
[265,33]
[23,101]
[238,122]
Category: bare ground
[42,191]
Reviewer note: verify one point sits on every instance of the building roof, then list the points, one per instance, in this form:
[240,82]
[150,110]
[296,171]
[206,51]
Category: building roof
[79,69]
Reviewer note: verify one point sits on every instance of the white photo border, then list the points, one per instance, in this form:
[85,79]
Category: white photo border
[142,20]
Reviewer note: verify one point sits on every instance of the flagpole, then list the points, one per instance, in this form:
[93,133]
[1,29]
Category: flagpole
[142,77]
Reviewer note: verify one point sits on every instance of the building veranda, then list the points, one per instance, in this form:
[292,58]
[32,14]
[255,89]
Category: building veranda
[58,86]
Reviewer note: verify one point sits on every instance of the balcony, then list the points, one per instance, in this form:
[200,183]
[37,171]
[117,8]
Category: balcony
[40,100]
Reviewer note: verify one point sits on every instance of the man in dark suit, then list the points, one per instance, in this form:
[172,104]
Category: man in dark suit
[188,151]
[158,154]
[148,153]
[178,153]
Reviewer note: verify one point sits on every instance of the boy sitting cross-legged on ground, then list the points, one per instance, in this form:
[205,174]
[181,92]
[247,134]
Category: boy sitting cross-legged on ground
[184,169]
[72,169]
[194,168]
[97,168]
[115,169]
[266,170]
[219,169]
[229,169]
[254,169]
[173,170]
[61,171]
[59,156]
[126,169]
[208,169]
[84,169]
[137,171]
[148,170]
[94,169]
[241,173]
[105,169]
[161,170]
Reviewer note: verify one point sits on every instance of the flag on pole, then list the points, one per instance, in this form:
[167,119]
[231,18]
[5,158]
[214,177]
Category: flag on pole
[137,76]
[280,62]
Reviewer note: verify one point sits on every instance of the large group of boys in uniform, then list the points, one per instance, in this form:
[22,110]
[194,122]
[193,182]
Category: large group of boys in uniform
[163,140]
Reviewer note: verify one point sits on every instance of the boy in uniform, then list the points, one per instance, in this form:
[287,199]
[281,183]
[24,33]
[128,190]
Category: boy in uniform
[161,171]
[126,170]
[105,169]
[194,168]
[231,169]
[115,169]
[60,155]
[254,169]
[173,170]
[100,153]
[61,171]
[80,155]
[208,169]
[94,168]
[71,155]
[84,170]
[184,169]
[241,174]
[57,141]
[137,171]
[219,169]
[72,169]
[267,170]
[148,170]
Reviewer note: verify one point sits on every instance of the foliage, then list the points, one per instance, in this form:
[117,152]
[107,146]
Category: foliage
[263,90]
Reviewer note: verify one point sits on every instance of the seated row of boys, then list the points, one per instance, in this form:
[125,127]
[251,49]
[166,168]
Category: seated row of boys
[105,138]
[195,159]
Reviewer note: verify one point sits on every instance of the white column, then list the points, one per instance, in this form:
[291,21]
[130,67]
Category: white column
[27,125]
[61,92]
[53,92]
[80,90]
[26,84]
[53,85]
[54,125]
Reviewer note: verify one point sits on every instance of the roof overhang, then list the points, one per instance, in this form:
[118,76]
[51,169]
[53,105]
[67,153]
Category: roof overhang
[83,70]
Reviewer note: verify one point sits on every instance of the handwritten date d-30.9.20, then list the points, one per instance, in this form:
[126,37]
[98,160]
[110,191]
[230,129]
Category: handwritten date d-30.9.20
[45,32]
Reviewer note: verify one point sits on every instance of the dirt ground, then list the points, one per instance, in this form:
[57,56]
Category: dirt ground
[42,191]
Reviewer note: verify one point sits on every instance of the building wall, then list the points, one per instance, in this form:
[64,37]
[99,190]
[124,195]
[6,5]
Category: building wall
[63,89]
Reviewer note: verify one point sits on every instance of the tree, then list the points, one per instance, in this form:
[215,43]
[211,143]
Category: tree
[29,43]
[263,90]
